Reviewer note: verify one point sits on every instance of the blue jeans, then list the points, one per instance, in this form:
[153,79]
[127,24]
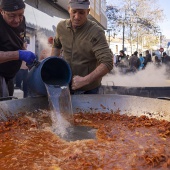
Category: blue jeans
[21,81]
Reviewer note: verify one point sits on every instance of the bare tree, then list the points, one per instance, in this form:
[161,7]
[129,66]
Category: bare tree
[114,15]
[140,18]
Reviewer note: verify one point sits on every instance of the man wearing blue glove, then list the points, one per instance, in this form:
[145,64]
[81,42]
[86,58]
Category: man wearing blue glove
[12,35]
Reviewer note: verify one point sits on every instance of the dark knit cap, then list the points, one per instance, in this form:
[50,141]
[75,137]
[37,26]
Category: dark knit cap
[12,5]
[135,53]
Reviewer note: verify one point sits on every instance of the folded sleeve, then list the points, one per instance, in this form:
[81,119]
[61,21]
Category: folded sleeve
[101,49]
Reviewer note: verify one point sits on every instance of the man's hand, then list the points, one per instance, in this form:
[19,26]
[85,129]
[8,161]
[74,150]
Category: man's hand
[78,82]
[27,56]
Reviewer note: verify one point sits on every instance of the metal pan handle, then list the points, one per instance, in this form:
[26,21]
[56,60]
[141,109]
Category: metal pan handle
[164,98]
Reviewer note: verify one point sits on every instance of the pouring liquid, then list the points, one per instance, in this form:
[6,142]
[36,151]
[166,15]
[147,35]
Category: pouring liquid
[62,115]
[61,109]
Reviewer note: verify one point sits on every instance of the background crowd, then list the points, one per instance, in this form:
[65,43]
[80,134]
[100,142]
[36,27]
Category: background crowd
[137,62]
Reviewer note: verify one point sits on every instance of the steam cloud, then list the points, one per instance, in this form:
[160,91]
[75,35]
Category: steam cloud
[151,76]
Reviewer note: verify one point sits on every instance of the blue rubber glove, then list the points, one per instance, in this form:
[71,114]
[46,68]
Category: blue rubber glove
[27,56]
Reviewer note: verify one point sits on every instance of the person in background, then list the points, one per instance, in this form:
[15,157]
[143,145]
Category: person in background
[148,58]
[141,61]
[157,61]
[21,77]
[166,62]
[85,48]
[12,34]
[47,52]
[134,62]
[123,62]
[121,57]
[165,59]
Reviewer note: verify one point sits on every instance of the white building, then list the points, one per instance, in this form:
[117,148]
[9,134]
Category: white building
[116,44]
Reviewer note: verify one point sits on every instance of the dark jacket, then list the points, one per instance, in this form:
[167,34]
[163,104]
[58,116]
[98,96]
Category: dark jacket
[148,58]
[166,59]
[11,39]
[134,62]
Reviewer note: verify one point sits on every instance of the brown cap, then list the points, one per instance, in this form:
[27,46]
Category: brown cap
[79,4]
[12,5]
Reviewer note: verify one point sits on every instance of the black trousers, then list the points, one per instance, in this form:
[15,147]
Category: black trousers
[93,91]
[6,87]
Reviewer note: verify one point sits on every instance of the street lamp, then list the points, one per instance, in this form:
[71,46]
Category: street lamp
[160,43]
[160,39]
[108,30]
[123,35]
